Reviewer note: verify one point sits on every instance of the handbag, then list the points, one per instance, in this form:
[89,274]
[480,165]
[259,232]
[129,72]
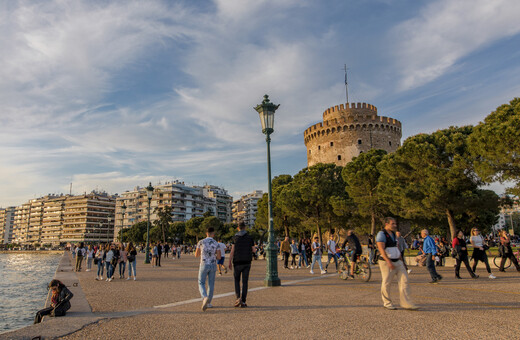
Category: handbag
[96,260]
[131,258]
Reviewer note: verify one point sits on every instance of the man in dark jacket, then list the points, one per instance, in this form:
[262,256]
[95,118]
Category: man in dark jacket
[240,257]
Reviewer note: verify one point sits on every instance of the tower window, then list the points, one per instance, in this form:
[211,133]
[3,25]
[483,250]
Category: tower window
[339,157]
[359,141]
[390,143]
[331,143]
[319,147]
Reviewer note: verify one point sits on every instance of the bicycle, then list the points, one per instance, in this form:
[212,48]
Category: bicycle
[508,262]
[362,269]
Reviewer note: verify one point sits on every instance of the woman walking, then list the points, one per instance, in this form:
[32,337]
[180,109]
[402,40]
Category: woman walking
[479,251]
[294,252]
[460,251]
[132,262]
[507,252]
[90,257]
[303,256]
[110,255]
[100,260]
[123,257]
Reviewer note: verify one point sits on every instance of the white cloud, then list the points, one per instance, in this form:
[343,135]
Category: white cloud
[446,31]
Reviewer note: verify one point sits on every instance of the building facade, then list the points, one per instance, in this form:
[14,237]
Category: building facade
[58,220]
[6,225]
[244,209]
[348,130]
[508,217]
[186,202]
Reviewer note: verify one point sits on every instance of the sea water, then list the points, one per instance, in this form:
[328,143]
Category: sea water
[23,286]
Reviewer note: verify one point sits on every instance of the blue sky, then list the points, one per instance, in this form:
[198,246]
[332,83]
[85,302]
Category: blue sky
[113,94]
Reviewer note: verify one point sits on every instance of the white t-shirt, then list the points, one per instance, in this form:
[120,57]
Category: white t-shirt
[222,247]
[478,241]
[331,247]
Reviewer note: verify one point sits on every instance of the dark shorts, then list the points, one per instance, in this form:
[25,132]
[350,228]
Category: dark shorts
[221,261]
[354,256]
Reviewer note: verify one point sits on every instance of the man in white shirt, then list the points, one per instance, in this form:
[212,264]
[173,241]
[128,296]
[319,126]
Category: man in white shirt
[331,252]
[209,253]
[220,263]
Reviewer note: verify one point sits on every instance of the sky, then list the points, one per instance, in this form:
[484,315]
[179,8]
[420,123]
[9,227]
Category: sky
[109,95]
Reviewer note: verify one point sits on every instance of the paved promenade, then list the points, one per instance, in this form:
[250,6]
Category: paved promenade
[164,303]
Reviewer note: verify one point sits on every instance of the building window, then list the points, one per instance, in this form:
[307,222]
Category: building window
[331,143]
[359,141]
[339,157]
[319,147]
[390,143]
[309,152]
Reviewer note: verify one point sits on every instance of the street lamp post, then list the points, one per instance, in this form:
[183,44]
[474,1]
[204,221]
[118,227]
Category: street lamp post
[149,193]
[266,112]
[109,218]
[123,209]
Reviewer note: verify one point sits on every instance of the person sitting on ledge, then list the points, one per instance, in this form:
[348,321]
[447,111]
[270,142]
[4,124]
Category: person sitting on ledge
[60,303]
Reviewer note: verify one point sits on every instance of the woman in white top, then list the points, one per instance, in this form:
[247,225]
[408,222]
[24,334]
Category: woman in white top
[479,253]
[123,257]
[90,257]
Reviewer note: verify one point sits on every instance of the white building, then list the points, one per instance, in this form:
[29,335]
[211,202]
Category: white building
[6,224]
[244,209]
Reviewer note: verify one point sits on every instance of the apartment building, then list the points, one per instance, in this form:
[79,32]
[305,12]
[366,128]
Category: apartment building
[6,225]
[65,219]
[186,202]
[508,217]
[244,209]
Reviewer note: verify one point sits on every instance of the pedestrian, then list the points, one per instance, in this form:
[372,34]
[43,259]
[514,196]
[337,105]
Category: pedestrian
[90,257]
[60,301]
[430,250]
[304,260]
[308,251]
[209,252]
[80,253]
[316,255]
[285,250]
[240,259]
[355,249]
[391,266]
[220,263]
[154,255]
[371,249]
[159,254]
[331,252]
[99,260]
[442,251]
[460,253]
[402,245]
[166,250]
[294,252]
[479,251]
[123,257]
[132,261]
[506,251]
[109,258]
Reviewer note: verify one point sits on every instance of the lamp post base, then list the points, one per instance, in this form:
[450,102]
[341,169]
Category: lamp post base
[272,282]
[271,277]
[147,257]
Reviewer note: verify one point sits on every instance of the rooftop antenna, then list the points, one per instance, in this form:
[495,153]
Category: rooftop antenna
[346,81]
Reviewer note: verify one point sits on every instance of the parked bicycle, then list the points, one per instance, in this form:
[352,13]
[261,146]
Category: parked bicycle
[362,268]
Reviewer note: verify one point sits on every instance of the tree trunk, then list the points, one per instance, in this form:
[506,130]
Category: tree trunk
[451,222]
[163,234]
[373,227]
[286,226]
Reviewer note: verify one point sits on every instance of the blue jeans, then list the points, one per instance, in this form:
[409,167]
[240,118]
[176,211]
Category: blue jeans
[100,268]
[316,258]
[209,271]
[110,269]
[430,264]
[122,266]
[132,265]
[330,256]
[305,260]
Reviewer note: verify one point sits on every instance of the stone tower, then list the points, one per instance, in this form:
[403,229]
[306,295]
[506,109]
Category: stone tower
[348,130]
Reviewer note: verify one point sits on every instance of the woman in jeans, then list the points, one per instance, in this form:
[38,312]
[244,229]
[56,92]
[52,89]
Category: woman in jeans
[461,255]
[507,252]
[90,257]
[100,257]
[303,256]
[294,252]
[122,261]
[110,252]
[132,261]
[479,253]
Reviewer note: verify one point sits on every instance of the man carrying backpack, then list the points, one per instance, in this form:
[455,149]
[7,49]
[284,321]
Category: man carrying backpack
[240,257]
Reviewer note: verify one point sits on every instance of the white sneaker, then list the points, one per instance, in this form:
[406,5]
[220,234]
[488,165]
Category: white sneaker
[205,304]
[299,267]
[210,305]
[128,278]
[323,272]
[291,267]
[107,279]
[491,276]
[409,271]
[311,272]
[134,278]
[110,280]
[101,278]
[309,266]
[97,278]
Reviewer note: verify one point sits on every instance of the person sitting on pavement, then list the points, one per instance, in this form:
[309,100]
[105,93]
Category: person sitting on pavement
[60,301]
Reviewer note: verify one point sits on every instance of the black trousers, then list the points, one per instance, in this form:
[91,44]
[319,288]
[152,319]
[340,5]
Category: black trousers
[285,259]
[159,259]
[241,270]
[466,263]
[512,258]
[48,311]
[482,256]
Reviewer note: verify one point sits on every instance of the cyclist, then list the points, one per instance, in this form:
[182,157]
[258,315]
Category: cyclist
[355,249]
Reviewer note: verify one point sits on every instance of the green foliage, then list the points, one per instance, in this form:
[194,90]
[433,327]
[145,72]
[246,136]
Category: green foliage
[155,234]
[361,177]
[193,228]
[164,221]
[495,143]
[135,233]
[211,221]
[177,231]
